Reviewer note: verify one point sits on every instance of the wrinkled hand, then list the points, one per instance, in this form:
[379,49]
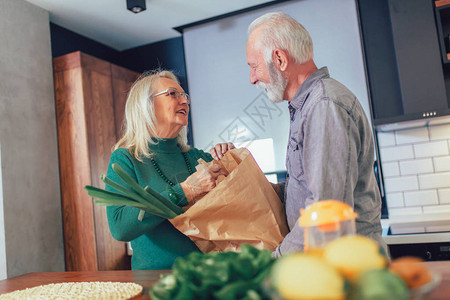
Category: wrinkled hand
[202,181]
[220,149]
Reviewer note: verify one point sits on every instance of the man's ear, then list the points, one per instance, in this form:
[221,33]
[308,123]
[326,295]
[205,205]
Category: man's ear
[280,59]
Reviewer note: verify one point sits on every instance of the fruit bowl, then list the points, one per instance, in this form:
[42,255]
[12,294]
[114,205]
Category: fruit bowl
[419,293]
[422,292]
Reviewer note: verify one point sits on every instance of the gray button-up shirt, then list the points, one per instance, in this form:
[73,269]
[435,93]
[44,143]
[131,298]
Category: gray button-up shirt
[330,155]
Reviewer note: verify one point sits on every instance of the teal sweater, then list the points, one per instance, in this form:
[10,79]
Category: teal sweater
[155,242]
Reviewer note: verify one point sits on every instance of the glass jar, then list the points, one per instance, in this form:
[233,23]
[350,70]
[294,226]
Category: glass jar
[325,221]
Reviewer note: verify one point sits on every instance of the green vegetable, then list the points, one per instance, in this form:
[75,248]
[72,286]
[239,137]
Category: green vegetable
[380,284]
[148,194]
[158,209]
[134,195]
[217,275]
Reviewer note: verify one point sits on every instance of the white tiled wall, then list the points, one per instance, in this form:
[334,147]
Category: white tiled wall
[416,170]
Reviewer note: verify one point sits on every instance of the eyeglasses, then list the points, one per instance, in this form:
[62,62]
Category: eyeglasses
[174,93]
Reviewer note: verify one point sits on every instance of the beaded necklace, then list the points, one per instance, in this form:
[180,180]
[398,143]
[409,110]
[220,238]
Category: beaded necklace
[164,177]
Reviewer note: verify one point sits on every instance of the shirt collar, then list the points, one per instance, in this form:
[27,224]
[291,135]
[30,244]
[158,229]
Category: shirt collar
[303,91]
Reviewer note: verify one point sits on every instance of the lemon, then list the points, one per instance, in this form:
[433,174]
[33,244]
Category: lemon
[354,254]
[303,276]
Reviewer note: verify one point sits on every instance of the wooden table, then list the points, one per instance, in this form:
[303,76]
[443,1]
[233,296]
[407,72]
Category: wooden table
[144,278]
[148,278]
[442,291]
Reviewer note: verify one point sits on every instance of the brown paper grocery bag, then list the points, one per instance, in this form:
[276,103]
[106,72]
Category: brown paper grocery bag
[242,209]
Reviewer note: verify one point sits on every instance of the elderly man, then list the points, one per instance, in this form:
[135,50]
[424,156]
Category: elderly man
[330,151]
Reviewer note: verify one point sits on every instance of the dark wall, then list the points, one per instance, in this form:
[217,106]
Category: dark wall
[65,41]
[167,54]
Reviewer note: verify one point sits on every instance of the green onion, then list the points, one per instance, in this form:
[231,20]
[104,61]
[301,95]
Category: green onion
[175,208]
[172,208]
[111,198]
[99,193]
[146,199]
[131,194]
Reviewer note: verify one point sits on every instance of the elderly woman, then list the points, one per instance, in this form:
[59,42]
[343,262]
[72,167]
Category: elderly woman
[154,152]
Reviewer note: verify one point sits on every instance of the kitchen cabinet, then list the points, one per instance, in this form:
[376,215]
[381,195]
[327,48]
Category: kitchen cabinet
[90,97]
[424,236]
[426,251]
[403,60]
[443,25]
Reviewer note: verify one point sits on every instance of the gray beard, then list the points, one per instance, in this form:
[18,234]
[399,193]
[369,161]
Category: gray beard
[275,89]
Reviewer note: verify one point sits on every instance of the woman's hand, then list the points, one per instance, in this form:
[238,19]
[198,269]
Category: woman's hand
[202,181]
[220,149]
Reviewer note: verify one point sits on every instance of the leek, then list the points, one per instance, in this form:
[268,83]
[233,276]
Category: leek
[146,199]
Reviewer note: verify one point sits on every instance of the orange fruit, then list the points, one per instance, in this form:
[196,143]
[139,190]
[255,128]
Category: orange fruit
[412,270]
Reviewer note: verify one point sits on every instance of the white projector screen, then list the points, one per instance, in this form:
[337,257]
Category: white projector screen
[226,107]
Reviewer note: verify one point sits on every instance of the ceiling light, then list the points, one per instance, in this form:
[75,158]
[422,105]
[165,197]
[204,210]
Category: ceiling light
[136,6]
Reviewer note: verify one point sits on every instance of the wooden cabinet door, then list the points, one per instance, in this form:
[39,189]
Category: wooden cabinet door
[89,99]
[74,168]
[101,131]
[122,80]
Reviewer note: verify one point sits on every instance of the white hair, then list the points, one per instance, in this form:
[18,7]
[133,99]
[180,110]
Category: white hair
[140,121]
[280,31]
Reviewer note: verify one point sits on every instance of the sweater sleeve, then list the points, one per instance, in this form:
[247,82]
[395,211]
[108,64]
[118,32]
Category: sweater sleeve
[197,154]
[176,193]
[123,220]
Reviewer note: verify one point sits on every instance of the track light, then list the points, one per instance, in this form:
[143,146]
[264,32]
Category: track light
[136,6]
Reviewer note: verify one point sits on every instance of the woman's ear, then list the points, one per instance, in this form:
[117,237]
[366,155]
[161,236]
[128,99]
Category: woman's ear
[280,60]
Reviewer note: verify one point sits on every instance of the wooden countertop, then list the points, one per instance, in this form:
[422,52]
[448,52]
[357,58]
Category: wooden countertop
[148,278]
[144,278]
